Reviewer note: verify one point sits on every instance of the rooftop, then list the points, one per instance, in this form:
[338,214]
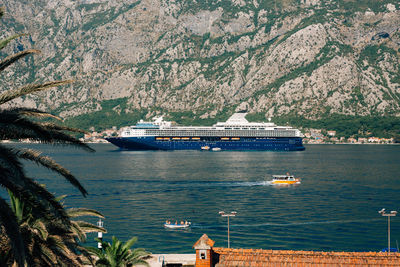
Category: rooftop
[261,257]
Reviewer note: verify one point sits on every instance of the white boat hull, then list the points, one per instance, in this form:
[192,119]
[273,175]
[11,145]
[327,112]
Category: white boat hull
[177,226]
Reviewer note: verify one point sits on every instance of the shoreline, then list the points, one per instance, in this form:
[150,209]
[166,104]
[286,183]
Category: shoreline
[105,142]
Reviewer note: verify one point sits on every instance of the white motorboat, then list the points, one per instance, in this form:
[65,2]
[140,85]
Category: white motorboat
[177,225]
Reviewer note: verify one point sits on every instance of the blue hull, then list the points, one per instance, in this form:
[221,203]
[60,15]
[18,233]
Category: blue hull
[261,144]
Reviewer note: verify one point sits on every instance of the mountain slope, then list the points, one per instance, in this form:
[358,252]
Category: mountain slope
[204,59]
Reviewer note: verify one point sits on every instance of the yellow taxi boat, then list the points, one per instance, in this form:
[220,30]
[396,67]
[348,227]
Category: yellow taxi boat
[285,179]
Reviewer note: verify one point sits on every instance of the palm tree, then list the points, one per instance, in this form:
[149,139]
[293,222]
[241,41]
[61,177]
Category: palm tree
[118,254]
[21,123]
[46,240]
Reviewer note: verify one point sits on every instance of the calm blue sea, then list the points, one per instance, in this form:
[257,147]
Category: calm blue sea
[335,208]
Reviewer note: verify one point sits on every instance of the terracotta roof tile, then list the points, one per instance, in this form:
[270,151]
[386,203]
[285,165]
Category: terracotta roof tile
[259,257]
[204,238]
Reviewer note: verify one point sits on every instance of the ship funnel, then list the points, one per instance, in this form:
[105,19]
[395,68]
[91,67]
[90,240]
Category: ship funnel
[237,118]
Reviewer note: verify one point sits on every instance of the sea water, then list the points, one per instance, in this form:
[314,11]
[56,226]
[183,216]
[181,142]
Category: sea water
[335,208]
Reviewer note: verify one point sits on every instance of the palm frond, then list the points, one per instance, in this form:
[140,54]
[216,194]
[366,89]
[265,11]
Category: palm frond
[8,221]
[136,258]
[30,88]
[10,162]
[61,252]
[27,190]
[77,212]
[89,227]
[15,126]
[40,229]
[141,253]
[53,208]
[59,198]
[43,204]
[128,244]
[13,58]
[94,251]
[37,253]
[80,234]
[103,262]
[53,126]
[35,156]
[34,113]
[47,255]
[85,255]
[5,42]
[17,206]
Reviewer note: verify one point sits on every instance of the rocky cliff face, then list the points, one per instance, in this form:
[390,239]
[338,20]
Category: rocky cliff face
[310,58]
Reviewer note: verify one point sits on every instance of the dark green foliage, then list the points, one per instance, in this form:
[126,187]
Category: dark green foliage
[109,116]
[358,96]
[100,19]
[89,7]
[344,125]
[118,254]
[362,5]
[375,53]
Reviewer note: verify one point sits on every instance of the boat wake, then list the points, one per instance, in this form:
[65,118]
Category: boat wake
[244,184]
[152,187]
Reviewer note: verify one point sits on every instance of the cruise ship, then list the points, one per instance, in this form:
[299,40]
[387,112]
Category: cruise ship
[234,134]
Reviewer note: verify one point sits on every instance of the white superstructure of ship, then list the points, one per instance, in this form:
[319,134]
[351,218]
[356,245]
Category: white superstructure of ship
[235,126]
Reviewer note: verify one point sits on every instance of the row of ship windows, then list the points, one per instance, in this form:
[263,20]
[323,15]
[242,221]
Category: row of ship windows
[250,142]
[217,133]
[234,145]
[214,128]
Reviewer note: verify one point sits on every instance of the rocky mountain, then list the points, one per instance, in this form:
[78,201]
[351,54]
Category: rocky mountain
[205,59]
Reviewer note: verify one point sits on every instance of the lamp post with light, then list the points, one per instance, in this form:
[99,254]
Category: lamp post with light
[232,214]
[391,214]
[100,223]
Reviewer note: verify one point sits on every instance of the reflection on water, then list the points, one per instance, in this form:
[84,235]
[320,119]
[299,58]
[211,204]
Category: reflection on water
[334,208]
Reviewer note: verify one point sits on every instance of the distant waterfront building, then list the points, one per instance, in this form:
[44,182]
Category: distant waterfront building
[334,139]
[351,140]
[331,133]
[315,131]
[374,140]
[362,140]
[316,134]
[108,132]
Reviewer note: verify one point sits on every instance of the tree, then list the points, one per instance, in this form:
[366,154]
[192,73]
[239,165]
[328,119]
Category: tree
[118,254]
[21,123]
[45,241]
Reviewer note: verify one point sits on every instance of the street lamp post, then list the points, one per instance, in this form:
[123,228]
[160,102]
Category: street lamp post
[388,215]
[232,214]
[100,223]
